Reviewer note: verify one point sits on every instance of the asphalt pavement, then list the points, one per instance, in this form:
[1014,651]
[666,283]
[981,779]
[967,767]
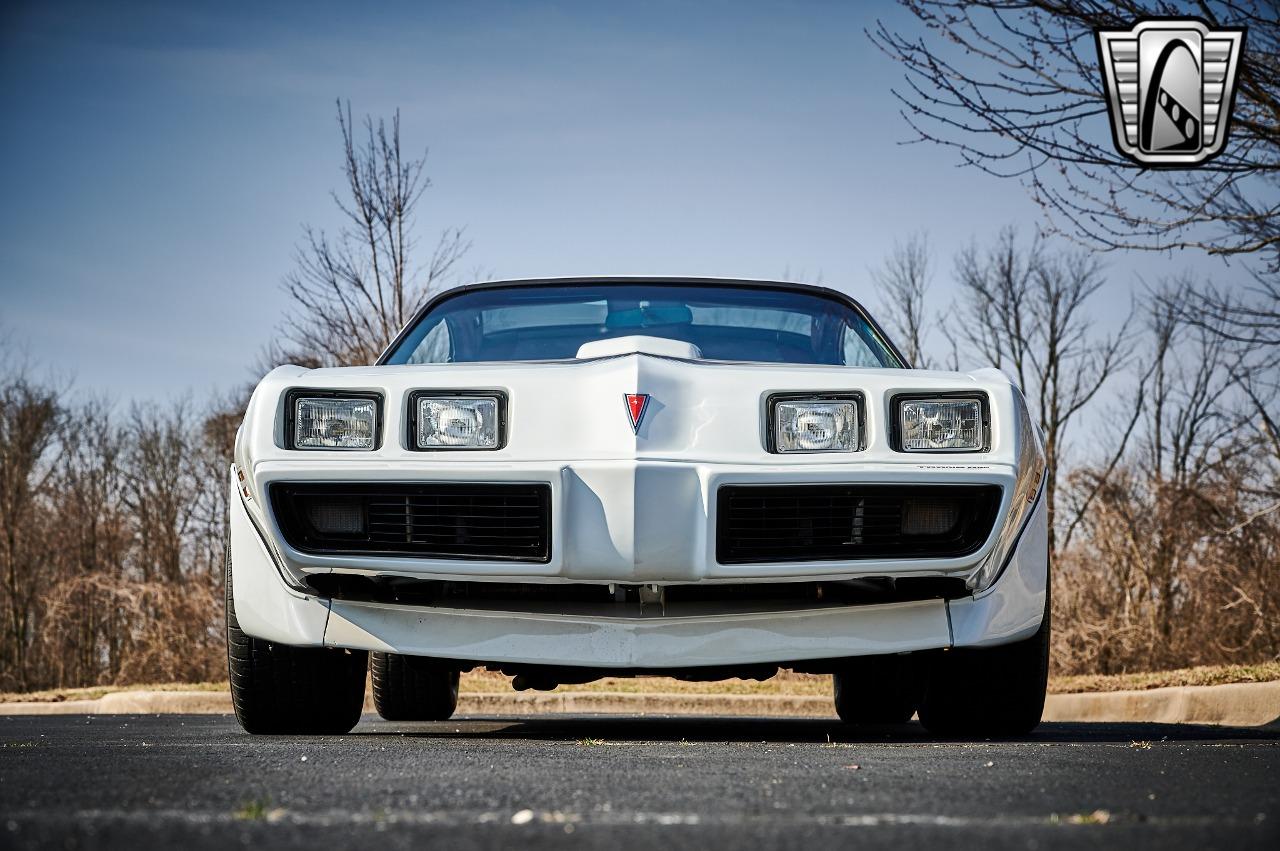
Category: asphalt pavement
[613,782]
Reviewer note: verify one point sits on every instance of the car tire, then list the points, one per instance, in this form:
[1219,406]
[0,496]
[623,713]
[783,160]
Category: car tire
[413,688]
[877,689]
[993,691]
[276,688]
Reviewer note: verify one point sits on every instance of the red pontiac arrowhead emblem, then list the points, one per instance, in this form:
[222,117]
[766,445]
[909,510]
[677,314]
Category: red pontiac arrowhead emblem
[637,404]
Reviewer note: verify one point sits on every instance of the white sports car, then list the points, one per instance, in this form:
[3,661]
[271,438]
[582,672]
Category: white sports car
[699,478]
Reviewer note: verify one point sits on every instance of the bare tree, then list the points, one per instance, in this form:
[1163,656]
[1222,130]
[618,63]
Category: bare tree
[164,483]
[904,280]
[29,419]
[1014,87]
[1025,312]
[111,536]
[1176,561]
[1188,435]
[221,419]
[1246,322]
[352,292]
[94,541]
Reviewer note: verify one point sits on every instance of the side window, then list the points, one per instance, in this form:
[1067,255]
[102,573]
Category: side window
[856,350]
[436,347]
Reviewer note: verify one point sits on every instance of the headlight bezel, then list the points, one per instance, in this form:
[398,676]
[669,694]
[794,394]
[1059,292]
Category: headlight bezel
[771,419]
[297,394]
[411,420]
[896,429]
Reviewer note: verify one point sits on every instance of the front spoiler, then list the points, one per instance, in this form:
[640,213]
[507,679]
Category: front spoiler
[619,643]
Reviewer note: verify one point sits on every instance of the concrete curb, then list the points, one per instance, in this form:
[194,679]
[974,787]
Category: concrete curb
[1237,705]
[131,703]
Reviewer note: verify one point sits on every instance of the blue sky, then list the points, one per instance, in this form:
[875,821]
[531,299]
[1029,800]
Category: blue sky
[160,160]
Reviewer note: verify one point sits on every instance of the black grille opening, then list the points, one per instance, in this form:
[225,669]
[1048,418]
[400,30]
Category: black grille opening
[773,523]
[502,522]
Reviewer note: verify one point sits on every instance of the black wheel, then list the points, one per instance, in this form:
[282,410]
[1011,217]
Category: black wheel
[995,691]
[411,688]
[276,688]
[877,689]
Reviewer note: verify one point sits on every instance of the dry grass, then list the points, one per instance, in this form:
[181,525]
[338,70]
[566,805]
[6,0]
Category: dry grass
[1204,675]
[59,695]
[785,683]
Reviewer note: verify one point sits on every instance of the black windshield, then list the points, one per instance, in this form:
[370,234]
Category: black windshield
[725,322]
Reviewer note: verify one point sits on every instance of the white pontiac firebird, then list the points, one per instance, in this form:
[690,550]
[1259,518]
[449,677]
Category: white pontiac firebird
[574,478]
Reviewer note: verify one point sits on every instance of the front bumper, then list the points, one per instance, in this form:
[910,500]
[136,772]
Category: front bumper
[630,521]
[610,542]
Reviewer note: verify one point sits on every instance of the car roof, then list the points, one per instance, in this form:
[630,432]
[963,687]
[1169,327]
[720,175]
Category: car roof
[679,280]
[632,280]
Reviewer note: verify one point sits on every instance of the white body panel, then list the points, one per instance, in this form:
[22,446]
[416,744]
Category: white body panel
[634,507]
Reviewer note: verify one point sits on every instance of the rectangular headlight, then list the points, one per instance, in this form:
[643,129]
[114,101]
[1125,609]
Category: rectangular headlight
[323,422]
[940,425]
[458,422]
[816,425]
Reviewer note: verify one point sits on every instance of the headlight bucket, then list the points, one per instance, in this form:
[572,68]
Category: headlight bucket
[941,423]
[337,421]
[814,423]
[451,420]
